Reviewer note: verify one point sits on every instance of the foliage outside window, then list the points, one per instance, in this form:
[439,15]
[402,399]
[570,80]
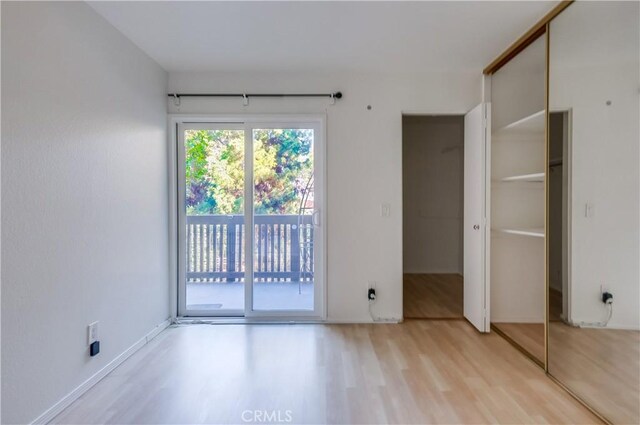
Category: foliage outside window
[214,166]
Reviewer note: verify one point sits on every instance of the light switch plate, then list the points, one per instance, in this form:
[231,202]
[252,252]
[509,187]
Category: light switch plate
[589,210]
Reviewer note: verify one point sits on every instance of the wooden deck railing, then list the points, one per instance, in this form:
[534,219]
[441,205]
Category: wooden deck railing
[283,248]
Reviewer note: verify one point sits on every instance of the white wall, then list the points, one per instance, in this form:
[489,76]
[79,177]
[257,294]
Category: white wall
[432,154]
[364,163]
[84,191]
[594,58]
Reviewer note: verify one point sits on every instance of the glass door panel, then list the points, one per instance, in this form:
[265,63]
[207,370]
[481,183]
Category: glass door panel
[213,220]
[249,236]
[283,221]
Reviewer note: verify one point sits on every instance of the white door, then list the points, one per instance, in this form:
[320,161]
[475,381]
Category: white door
[476,170]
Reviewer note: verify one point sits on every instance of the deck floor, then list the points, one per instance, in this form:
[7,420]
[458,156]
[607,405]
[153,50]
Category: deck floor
[221,296]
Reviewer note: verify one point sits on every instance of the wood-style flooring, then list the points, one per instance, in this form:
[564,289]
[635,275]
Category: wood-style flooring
[416,372]
[433,296]
[529,336]
[602,366]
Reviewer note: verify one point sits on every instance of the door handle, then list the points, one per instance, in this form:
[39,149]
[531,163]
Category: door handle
[476,227]
[316,218]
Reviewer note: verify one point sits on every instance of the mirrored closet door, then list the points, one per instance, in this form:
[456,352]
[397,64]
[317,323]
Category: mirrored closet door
[518,200]
[593,196]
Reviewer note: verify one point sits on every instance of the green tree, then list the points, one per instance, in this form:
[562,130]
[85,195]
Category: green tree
[214,161]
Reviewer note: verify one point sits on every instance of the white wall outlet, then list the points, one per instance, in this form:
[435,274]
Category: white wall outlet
[92,332]
[371,291]
[385,210]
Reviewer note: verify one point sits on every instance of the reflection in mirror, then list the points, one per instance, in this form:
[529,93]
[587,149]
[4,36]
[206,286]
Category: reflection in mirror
[594,133]
[517,200]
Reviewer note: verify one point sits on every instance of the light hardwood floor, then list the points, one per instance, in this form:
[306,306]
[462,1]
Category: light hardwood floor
[433,296]
[602,366]
[414,372]
[530,336]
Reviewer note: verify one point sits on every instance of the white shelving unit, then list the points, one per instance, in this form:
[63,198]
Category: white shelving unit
[534,232]
[517,247]
[531,124]
[532,178]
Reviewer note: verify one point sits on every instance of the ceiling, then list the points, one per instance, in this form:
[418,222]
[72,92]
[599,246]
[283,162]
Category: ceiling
[405,37]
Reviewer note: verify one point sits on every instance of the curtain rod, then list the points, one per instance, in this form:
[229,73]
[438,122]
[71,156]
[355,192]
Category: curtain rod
[336,95]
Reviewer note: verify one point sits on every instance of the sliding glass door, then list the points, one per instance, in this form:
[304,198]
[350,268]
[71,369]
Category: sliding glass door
[250,233]
[283,214]
[211,191]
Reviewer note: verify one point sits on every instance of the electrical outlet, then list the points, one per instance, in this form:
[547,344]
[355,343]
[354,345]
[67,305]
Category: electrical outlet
[371,290]
[94,348]
[371,294]
[92,334]
[605,294]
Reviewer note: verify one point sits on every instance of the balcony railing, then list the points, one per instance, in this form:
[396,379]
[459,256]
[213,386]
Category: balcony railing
[282,246]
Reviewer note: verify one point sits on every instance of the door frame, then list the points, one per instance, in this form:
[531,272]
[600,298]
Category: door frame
[486,222]
[248,121]
[567,196]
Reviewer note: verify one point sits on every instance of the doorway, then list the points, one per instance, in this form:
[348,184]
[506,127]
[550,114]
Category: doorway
[558,199]
[433,205]
[250,217]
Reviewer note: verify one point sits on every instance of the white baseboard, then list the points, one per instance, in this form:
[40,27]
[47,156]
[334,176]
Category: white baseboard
[249,321]
[57,408]
[518,320]
[446,271]
[390,320]
[610,326]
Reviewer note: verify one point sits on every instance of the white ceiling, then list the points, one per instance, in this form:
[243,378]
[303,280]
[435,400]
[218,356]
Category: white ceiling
[322,36]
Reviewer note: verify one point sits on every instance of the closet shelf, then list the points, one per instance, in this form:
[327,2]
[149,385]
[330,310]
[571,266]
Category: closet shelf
[535,177]
[534,123]
[534,232]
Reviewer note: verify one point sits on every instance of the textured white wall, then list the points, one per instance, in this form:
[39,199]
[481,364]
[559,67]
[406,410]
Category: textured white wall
[364,163]
[84,199]
[595,58]
[432,155]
